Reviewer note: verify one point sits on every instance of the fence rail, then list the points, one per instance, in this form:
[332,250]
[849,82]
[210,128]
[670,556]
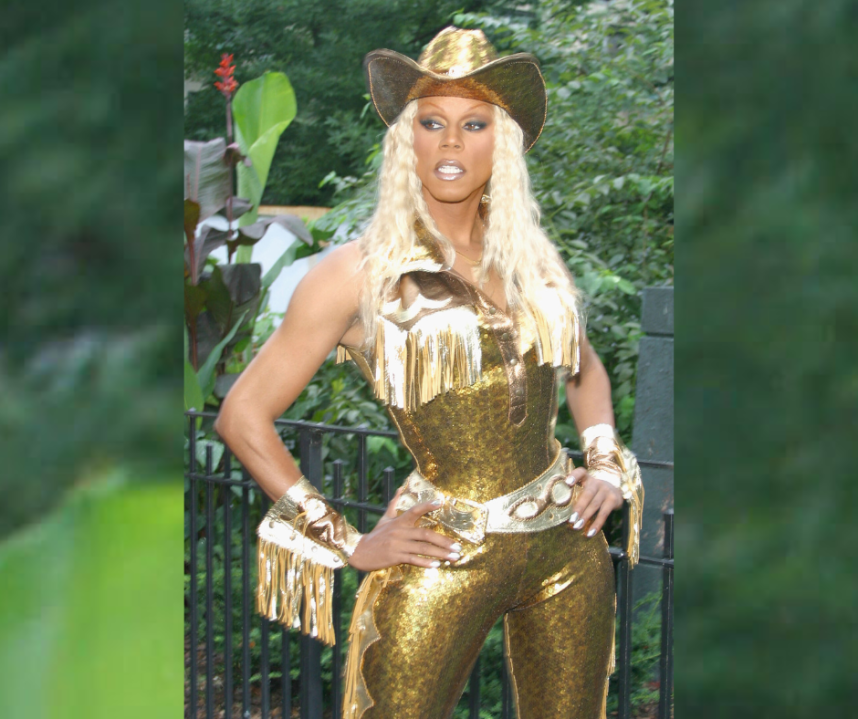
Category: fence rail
[256,686]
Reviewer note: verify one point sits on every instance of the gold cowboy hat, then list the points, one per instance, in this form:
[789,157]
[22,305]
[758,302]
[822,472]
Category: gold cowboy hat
[460,63]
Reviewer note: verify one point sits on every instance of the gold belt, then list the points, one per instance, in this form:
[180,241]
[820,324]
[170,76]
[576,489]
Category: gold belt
[540,504]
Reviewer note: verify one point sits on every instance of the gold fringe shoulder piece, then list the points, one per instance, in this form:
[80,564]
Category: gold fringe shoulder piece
[439,352]
[301,542]
[343,354]
[557,340]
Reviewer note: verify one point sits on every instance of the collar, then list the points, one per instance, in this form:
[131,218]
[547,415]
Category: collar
[427,255]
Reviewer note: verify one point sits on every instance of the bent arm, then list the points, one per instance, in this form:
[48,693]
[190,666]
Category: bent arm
[606,459]
[322,310]
[588,393]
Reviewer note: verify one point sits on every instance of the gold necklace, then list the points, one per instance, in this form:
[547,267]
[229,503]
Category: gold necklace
[468,259]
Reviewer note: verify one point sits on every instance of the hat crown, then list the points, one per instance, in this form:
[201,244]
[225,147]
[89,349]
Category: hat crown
[455,52]
[460,63]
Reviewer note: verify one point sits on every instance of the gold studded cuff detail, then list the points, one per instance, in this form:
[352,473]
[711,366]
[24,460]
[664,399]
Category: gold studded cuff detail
[608,459]
[302,540]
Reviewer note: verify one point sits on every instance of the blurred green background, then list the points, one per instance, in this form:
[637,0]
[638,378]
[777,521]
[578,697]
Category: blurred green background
[90,370]
[766,377]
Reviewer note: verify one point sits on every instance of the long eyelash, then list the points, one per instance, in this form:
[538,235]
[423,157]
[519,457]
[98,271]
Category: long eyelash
[428,123]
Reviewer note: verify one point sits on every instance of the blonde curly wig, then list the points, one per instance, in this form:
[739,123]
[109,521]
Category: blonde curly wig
[533,274]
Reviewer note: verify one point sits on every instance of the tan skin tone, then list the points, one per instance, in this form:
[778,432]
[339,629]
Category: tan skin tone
[449,130]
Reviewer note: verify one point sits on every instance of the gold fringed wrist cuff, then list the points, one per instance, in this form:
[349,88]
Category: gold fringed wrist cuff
[608,459]
[302,540]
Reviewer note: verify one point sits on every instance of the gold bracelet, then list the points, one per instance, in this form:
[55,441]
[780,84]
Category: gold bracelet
[608,459]
[302,540]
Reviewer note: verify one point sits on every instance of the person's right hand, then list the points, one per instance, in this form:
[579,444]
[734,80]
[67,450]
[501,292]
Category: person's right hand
[398,540]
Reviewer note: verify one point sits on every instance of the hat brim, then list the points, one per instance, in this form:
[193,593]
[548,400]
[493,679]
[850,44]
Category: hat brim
[514,83]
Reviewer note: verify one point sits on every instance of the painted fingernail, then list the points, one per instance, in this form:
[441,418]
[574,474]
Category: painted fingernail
[455,547]
[454,556]
[591,532]
[435,564]
[571,479]
[578,524]
[437,502]
[573,518]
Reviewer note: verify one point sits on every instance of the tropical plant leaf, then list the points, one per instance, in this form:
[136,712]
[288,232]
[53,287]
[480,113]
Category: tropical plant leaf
[251,234]
[207,175]
[241,240]
[193,393]
[233,291]
[195,301]
[74,580]
[262,109]
[193,396]
[192,218]
[296,226]
[217,451]
[242,281]
[233,154]
[240,206]
[321,233]
[224,383]
[208,240]
[205,376]
[208,335]
[244,254]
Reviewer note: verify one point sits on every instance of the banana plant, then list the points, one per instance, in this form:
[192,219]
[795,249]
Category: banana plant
[222,301]
[262,109]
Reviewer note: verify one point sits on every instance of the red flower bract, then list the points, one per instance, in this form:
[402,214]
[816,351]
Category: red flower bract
[227,84]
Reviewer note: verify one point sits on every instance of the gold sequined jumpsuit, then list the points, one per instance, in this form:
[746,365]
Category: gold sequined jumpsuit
[477,429]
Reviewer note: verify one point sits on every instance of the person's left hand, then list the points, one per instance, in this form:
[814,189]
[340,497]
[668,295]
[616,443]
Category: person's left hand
[597,500]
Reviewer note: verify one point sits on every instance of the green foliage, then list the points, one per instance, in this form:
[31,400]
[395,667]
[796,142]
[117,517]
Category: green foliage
[262,109]
[68,583]
[90,525]
[222,304]
[766,603]
[90,194]
[646,651]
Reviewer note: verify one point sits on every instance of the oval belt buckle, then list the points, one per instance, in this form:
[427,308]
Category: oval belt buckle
[466,518]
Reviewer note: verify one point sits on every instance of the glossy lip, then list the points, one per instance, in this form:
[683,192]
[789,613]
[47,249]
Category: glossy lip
[447,177]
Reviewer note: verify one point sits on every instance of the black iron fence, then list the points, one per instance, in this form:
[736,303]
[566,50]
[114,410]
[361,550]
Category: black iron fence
[240,665]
